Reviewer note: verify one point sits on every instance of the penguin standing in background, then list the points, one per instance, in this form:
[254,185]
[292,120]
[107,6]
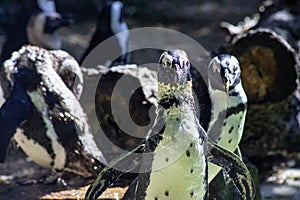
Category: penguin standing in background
[229,105]
[17,34]
[42,26]
[35,24]
[110,22]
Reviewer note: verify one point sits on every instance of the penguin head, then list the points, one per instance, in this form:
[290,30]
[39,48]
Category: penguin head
[48,6]
[174,78]
[174,68]
[27,78]
[118,9]
[224,72]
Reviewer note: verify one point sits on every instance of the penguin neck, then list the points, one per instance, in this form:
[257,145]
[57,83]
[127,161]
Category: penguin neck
[175,95]
[177,101]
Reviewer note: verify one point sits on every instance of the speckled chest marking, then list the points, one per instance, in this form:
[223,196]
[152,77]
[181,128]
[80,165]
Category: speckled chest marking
[179,159]
[228,117]
[227,123]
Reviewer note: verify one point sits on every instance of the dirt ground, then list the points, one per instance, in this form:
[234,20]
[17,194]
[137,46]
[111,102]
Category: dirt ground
[198,19]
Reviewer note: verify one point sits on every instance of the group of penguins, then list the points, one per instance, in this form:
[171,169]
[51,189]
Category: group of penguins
[177,159]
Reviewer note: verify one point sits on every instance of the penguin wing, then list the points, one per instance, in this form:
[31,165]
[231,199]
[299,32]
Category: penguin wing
[14,111]
[119,166]
[234,168]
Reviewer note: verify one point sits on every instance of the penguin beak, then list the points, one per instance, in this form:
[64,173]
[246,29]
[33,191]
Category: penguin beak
[226,86]
[225,78]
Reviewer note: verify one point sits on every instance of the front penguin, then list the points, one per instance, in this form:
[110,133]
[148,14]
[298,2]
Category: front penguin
[178,166]
[173,164]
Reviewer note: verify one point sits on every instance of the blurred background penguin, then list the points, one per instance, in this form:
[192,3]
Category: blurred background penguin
[34,24]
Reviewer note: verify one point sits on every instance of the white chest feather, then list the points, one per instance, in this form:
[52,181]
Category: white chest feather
[232,131]
[228,113]
[34,150]
[178,169]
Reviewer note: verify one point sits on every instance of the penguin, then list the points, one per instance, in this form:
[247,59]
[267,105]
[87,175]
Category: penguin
[172,160]
[16,35]
[36,25]
[110,22]
[228,105]
[43,115]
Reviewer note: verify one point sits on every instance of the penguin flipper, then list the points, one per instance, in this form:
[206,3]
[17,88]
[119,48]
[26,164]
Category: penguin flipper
[234,168]
[15,110]
[239,154]
[119,166]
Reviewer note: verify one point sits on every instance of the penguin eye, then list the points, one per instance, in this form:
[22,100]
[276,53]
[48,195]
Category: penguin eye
[168,63]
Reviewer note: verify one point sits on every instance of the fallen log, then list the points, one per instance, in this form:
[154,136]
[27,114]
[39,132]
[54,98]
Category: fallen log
[269,58]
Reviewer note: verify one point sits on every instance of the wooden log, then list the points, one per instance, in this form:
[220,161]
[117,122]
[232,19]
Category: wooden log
[269,60]
[268,65]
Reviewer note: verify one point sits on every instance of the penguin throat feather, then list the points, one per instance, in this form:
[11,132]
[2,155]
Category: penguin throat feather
[174,95]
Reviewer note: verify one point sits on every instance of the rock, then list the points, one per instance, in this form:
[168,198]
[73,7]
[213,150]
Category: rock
[120,103]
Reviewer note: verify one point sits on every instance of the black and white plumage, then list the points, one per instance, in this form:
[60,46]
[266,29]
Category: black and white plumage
[35,24]
[42,26]
[110,22]
[41,31]
[43,115]
[176,151]
[229,105]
